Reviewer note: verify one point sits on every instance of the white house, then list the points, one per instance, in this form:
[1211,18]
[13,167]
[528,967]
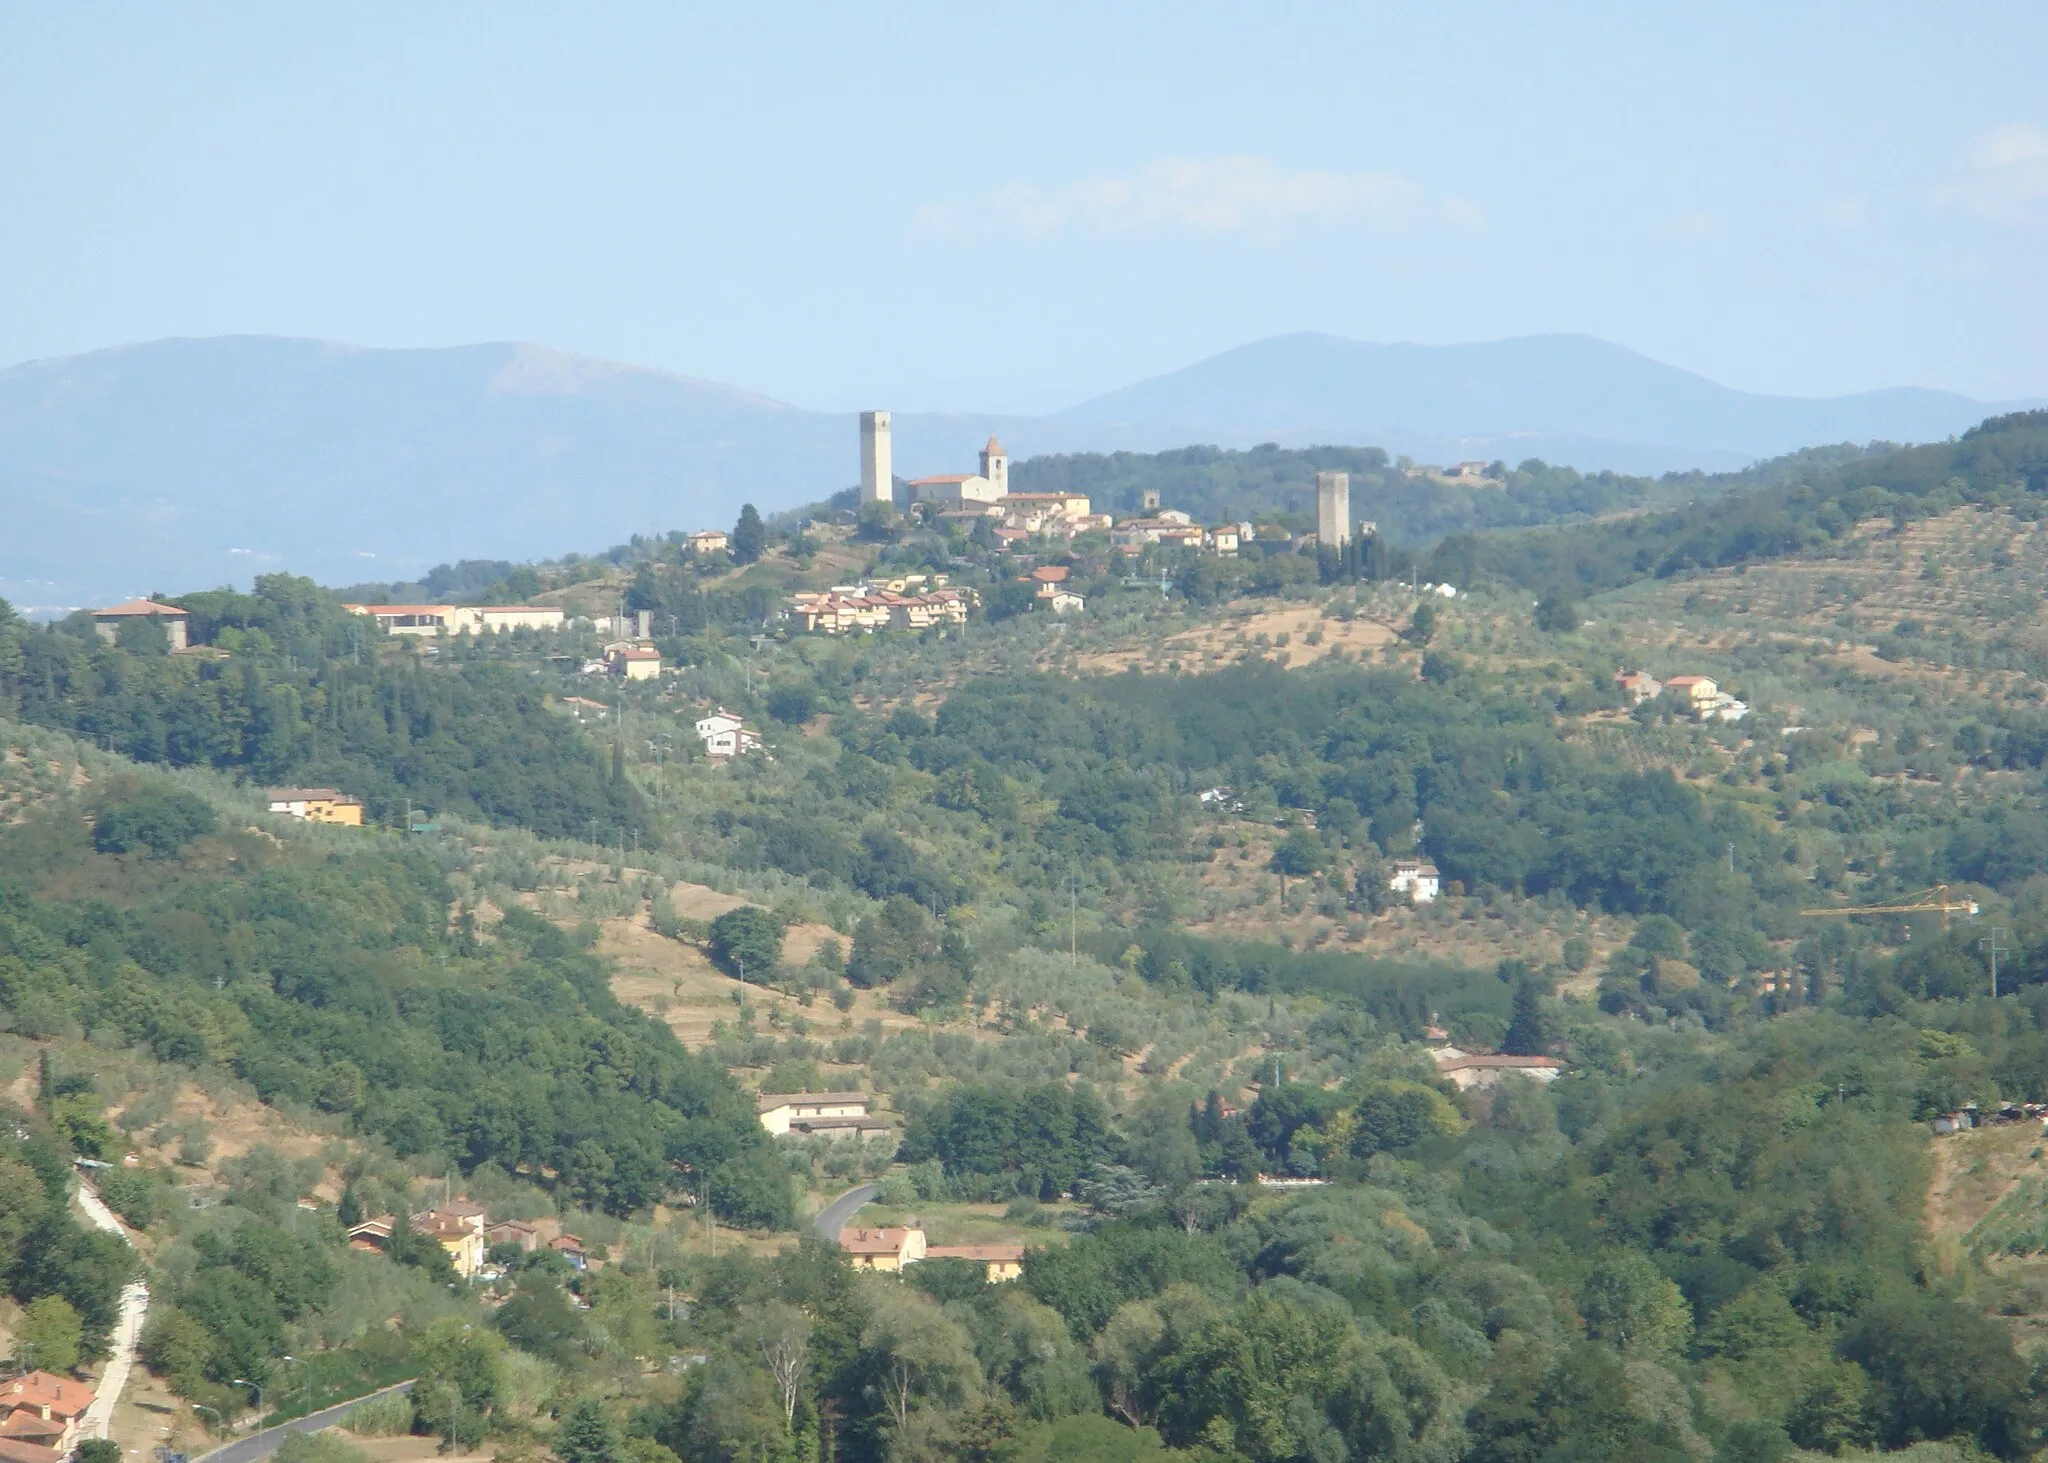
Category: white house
[782,1111]
[726,735]
[1419,881]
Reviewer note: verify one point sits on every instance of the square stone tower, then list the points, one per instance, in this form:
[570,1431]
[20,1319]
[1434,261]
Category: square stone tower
[877,465]
[1333,509]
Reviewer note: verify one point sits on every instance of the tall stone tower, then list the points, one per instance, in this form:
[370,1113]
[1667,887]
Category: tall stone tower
[1333,509]
[877,464]
[995,466]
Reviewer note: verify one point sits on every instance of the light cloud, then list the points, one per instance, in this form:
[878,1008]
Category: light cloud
[1238,193]
[2004,177]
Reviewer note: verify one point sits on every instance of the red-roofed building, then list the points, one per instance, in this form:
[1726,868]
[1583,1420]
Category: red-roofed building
[883,1249]
[43,1411]
[1000,1262]
[107,623]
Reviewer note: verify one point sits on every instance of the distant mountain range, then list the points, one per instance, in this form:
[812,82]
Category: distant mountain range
[179,464]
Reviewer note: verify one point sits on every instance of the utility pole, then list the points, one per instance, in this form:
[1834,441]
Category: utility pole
[1990,943]
[1731,858]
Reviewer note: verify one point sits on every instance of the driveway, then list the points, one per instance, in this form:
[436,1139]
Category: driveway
[833,1217]
[263,1444]
[127,1327]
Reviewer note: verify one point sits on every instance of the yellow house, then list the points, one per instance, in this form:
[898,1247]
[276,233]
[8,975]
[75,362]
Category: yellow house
[317,805]
[887,1250]
[460,1234]
[1700,690]
[1001,1262]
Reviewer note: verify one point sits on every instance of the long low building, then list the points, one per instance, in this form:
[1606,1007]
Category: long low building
[461,619]
[317,805]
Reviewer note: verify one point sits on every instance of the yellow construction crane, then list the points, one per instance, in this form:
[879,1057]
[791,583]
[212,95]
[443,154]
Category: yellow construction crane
[1927,901]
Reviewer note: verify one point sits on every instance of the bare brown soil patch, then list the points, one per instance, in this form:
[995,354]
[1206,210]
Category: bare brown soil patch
[1287,631]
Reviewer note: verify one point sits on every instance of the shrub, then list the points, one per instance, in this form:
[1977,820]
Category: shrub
[747,938]
[161,820]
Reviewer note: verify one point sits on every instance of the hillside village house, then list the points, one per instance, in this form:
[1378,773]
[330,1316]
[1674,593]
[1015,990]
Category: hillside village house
[896,1250]
[1638,686]
[40,1416]
[1419,881]
[461,619]
[512,1232]
[317,805]
[458,1228]
[784,1112]
[888,1250]
[727,735]
[176,623]
[634,662]
[709,541]
[1468,1070]
[1708,701]
[867,607]
[570,1247]
[999,1262]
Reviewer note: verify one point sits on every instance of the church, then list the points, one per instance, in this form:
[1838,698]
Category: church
[957,490]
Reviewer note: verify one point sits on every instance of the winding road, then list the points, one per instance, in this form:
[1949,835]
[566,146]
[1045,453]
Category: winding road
[263,1444]
[127,1327]
[832,1218]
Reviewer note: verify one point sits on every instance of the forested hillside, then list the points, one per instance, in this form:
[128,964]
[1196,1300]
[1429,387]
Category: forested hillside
[297,693]
[1098,912]
[2001,462]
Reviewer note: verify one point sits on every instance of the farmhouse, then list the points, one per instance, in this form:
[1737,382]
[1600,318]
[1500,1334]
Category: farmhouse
[107,625]
[317,805]
[1419,881]
[780,1112]
[727,735]
[891,1250]
[1000,1262]
[1468,1070]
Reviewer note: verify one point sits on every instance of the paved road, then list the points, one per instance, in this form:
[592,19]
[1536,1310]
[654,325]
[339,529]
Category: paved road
[832,1218]
[263,1444]
[127,1328]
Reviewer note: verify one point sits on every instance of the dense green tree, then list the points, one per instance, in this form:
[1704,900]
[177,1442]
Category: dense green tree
[749,535]
[747,939]
[586,1435]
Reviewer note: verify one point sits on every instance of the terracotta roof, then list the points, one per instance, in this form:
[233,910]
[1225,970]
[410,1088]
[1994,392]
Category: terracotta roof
[994,446]
[28,1422]
[1008,1254]
[309,795]
[1050,573]
[13,1450]
[873,1241]
[1687,680]
[567,1242]
[63,1396]
[135,607]
[950,477]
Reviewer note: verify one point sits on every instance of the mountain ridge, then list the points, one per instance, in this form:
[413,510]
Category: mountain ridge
[192,461]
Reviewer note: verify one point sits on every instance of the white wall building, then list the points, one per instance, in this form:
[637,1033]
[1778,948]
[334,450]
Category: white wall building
[1419,881]
[726,735]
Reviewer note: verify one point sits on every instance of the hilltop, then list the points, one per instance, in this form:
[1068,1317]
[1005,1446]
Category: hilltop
[178,464]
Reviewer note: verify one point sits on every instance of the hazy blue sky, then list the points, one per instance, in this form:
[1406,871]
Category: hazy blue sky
[958,205]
